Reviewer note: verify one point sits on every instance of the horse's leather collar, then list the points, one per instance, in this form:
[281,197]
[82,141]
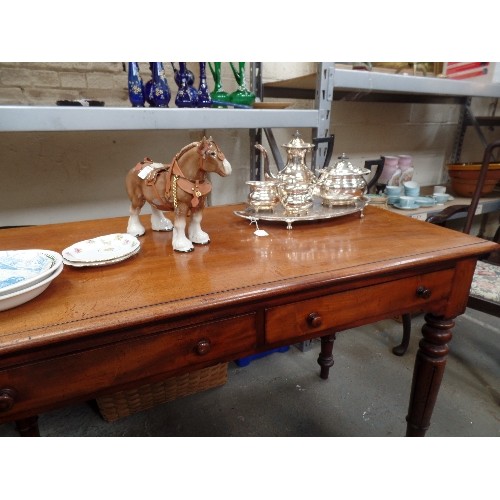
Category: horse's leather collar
[194,187]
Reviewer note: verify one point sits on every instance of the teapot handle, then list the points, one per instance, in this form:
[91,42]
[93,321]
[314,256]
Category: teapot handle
[330,141]
[380,166]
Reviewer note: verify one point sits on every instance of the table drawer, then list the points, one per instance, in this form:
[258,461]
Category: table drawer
[334,311]
[75,377]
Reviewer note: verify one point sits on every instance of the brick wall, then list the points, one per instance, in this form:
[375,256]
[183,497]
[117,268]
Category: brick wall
[45,83]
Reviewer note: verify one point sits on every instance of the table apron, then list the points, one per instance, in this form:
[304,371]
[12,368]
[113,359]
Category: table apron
[84,375]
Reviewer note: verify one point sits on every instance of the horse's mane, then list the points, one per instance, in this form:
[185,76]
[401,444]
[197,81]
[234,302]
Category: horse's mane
[186,148]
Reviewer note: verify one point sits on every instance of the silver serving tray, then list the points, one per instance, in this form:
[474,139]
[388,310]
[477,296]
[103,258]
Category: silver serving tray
[316,212]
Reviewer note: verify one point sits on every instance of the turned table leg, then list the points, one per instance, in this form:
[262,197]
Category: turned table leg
[28,427]
[325,358]
[429,368]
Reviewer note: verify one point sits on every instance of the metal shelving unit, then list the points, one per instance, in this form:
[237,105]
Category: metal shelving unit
[372,86]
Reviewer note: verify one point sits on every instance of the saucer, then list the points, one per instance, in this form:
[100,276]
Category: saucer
[425,201]
[412,207]
[96,263]
[109,248]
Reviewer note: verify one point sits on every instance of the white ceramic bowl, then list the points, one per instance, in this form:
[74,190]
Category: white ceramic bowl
[19,297]
[20,269]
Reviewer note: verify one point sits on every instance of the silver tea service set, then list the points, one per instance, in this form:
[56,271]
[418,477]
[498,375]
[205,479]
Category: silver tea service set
[296,186]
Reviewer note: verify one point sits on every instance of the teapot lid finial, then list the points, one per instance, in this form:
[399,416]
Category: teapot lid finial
[344,167]
[298,143]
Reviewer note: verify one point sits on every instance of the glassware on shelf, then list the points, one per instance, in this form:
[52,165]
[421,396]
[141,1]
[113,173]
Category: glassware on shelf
[218,94]
[136,93]
[160,91]
[187,96]
[204,99]
[242,95]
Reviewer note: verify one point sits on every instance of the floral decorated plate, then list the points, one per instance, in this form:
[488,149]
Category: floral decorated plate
[21,269]
[102,249]
[101,262]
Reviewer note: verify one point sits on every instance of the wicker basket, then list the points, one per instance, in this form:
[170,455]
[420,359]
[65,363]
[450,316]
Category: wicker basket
[124,403]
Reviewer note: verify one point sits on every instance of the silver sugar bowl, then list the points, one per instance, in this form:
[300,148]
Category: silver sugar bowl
[263,195]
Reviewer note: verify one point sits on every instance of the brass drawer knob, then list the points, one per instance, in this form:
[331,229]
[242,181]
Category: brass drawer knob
[423,292]
[314,320]
[203,347]
[7,398]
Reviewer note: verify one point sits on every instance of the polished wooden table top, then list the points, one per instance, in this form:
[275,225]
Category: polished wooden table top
[235,267]
[99,329]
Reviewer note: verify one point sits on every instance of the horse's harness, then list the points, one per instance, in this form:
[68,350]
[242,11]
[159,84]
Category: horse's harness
[175,178]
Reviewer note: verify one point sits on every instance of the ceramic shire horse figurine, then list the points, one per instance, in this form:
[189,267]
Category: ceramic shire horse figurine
[181,186]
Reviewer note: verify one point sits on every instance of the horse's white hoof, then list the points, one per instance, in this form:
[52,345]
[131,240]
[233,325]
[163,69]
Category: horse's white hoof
[182,250]
[135,231]
[163,225]
[161,228]
[185,246]
[182,246]
[199,237]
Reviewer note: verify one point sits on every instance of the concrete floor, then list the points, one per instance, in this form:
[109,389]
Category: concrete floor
[282,394]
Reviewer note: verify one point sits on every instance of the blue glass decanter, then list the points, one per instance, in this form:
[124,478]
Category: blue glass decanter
[135,86]
[204,99]
[160,90]
[184,97]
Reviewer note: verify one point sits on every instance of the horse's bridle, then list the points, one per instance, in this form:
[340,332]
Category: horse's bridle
[219,153]
[203,155]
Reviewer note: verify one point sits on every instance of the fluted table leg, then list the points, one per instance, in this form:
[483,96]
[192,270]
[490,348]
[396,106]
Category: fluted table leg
[429,368]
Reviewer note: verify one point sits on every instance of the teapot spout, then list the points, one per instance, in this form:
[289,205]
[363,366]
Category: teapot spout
[267,172]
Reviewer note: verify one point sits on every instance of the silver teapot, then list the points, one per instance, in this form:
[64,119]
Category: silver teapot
[342,183]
